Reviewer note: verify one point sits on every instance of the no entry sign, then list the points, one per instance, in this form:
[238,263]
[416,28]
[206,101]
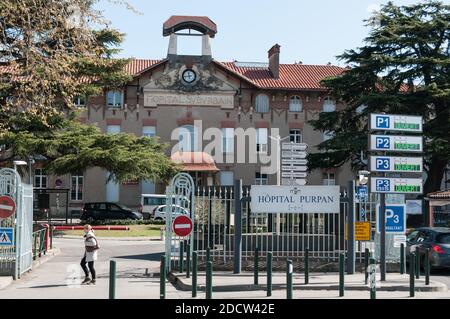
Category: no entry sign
[7,207]
[182,226]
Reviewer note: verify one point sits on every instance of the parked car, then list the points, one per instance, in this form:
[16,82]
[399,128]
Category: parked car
[149,202]
[159,212]
[106,210]
[437,239]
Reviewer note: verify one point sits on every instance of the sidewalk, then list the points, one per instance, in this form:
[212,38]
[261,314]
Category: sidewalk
[229,282]
[154,238]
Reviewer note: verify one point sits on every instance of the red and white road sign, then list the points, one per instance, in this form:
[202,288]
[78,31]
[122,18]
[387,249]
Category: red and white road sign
[182,226]
[7,206]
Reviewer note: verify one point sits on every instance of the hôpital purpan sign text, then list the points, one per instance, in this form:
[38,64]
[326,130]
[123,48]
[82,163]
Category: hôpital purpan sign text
[294,199]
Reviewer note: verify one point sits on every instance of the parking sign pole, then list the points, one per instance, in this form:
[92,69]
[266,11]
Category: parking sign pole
[383,237]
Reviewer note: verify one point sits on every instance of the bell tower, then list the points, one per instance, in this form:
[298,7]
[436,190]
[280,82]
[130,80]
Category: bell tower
[189,26]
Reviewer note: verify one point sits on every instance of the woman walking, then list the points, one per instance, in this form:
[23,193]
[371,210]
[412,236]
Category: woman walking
[90,254]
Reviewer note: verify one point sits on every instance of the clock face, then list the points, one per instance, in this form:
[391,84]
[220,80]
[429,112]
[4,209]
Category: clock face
[189,76]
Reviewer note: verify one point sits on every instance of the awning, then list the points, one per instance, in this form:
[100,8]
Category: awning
[439,198]
[195,161]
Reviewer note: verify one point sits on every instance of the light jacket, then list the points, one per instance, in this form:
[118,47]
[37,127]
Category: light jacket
[90,241]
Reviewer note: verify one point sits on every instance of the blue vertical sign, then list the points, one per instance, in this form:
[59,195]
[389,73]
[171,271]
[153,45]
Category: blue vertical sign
[395,218]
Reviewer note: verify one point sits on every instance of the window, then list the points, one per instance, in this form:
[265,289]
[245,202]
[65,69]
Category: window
[114,98]
[147,187]
[113,129]
[40,178]
[261,140]
[262,103]
[112,190]
[148,131]
[79,101]
[76,187]
[187,139]
[261,179]
[228,140]
[329,179]
[295,136]
[295,104]
[226,178]
[329,105]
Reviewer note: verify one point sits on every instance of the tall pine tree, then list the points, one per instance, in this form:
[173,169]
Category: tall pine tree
[402,68]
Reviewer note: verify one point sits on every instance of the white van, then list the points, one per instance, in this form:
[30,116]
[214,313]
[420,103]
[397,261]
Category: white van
[149,202]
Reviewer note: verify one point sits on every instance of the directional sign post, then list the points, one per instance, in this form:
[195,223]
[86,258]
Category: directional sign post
[6,236]
[294,163]
[7,207]
[182,226]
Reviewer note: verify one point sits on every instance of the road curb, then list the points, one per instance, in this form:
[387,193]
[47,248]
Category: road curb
[180,284]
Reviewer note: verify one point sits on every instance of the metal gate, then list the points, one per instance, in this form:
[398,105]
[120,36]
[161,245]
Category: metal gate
[17,259]
[180,200]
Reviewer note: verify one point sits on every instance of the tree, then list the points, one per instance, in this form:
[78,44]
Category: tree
[52,51]
[403,68]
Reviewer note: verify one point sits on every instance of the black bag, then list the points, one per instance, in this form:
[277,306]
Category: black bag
[90,249]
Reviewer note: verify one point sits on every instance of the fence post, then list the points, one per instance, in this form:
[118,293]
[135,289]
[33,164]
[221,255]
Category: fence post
[412,267]
[181,257]
[237,226]
[373,287]
[269,274]
[162,278]
[188,260]
[427,267]
[256,266]
[341,275]
[306,266]
[417,262]
[112,279]
[289,271]
[402,259]
[194,274]
[366,264]
[208,280]
[35,246]
[208,254]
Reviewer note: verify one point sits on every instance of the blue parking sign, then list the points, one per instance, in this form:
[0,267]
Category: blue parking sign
[395,218]
[362,192]
[382,121]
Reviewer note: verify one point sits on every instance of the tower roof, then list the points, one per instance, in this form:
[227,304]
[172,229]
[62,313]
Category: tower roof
[201,24]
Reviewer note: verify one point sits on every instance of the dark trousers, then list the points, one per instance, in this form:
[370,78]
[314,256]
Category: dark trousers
[85,269]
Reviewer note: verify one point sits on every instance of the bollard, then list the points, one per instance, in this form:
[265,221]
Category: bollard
[427,267]
[373,287]
[366,264]
[208,254]
[306,266]
[180,261]
[35,247]
[412,258]
[417,263]
[269,274]
[112,279]
[162,278]
[188,260]
[402,259]
[341,275]
[161,233]
[194,274]
[256,267]
[289,271]
[208,280]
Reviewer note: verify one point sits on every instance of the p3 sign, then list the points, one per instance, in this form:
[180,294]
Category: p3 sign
[395,218]
[396,164]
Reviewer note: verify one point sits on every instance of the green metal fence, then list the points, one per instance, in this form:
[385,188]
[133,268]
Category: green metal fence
[40,242]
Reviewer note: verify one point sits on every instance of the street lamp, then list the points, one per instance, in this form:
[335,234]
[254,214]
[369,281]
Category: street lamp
[19,163]
[363,177]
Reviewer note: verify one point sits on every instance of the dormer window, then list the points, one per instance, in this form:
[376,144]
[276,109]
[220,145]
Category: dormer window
[262,103]
[295,104]
[329,105]
[114,98]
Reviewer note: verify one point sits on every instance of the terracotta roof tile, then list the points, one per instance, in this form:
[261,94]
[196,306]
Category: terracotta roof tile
[439,195]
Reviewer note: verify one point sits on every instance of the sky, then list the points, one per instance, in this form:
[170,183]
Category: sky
[311,32]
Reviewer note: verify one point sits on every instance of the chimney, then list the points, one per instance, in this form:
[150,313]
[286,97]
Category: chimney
[274,61]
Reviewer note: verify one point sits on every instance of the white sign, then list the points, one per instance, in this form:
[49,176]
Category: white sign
[396,143]
[399,240]
[294,168]
[396,185]
[294,174]
[396,164]
[294,146]
[153,99]
[413,207]
[294,199]
[294,182]
[293,154]
[389,122]
[293,161]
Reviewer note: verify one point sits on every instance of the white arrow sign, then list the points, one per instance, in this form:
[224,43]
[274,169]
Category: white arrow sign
[293,168]
[294,146]
[293,154]
[291,161]
[293,182]
[294,174]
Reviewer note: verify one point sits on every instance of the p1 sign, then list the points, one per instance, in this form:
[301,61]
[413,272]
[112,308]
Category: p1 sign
[395,218]
[390,122]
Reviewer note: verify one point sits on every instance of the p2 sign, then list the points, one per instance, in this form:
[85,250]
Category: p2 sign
[395,216]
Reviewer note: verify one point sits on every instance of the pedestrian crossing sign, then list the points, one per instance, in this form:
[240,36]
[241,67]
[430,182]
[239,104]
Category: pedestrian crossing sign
[6,236]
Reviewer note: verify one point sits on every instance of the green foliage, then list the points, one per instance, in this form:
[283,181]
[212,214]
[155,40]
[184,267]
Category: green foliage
[403,68]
